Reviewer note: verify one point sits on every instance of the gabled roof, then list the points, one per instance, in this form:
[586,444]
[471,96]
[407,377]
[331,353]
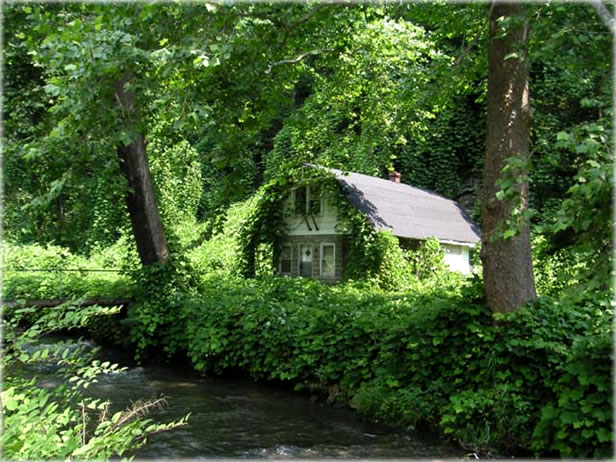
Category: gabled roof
[407,211]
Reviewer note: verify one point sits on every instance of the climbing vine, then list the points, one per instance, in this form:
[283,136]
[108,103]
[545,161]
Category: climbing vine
[371,255]
[264,224]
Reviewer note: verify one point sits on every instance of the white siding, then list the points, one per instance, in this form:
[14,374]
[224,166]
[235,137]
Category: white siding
[457,258]
[325,221]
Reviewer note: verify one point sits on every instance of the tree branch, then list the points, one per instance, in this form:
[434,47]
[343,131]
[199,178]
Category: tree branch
[467,50]
[307,16]
[470,46]
[604,14]
[294,60]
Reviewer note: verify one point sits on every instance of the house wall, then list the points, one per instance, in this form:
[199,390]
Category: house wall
[315,241]
[325,221]
[316,229]
[457,258]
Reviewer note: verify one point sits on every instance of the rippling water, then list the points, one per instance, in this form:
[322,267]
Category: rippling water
[232,418]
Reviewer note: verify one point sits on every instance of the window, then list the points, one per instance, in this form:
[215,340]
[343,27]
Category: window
[301,197]
[314,200]
[305,261]
[308,200]
[285,260]
[451,250]
[328,260]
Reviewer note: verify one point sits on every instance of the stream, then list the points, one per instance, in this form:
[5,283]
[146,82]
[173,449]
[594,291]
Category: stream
[236,418]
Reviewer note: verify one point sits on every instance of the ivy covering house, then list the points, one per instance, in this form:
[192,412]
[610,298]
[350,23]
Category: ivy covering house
[316,233]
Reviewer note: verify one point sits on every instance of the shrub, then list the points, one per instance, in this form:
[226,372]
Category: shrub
[59,422]
[221,253]
[577,420]
[499,383]
[19,282]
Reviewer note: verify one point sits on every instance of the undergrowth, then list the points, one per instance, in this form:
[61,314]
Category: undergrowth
[533,382]
[59,421]
[33,272]
[410,344]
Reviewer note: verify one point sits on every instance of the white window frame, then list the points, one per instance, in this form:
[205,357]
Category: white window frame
[307,204]
[452,249]
[324,244]
[290,257]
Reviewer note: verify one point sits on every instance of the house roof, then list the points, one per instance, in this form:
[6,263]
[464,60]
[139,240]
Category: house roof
[408,211]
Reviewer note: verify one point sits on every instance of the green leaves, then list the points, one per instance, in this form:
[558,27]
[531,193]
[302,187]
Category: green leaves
[11,399]
[53,422]
[52,90]
[409,358]
[586,208]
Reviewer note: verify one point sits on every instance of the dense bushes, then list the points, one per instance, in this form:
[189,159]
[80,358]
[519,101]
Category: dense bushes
[220,254]
[20,282]
[535,381]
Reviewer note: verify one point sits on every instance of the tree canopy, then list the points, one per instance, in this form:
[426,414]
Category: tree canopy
[236,95]
[159,139]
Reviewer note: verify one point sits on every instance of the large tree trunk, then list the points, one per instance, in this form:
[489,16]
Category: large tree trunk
[507,263]
[140,198]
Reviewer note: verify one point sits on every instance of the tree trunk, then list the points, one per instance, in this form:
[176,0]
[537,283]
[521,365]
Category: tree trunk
[507,264]
[140,198]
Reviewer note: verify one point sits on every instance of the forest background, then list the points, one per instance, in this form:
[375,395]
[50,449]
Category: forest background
[228,101]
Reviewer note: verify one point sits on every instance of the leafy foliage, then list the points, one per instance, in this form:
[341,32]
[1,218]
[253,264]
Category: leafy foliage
[367,125]
[233,98]
[264,224]
[60,422]
[578,421]
[220,253]
[20,282]
[379,258]
[417,358]
[149,316]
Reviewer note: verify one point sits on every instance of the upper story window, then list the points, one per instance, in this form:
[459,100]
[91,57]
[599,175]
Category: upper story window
[308,200]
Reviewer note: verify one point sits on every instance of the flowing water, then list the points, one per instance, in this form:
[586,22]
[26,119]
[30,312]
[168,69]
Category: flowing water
[234,418]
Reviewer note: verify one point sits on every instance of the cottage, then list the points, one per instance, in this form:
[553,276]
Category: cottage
[313,247]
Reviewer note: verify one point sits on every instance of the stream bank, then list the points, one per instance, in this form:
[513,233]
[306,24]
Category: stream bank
[233,417]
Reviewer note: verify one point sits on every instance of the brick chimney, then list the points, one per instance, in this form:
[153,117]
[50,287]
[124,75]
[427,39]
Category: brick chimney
[394,176]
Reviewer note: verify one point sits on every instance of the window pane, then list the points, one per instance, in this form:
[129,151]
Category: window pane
[285,259]
[300,201]
[328,264]
[452,250]
[285,252]
[315,200]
